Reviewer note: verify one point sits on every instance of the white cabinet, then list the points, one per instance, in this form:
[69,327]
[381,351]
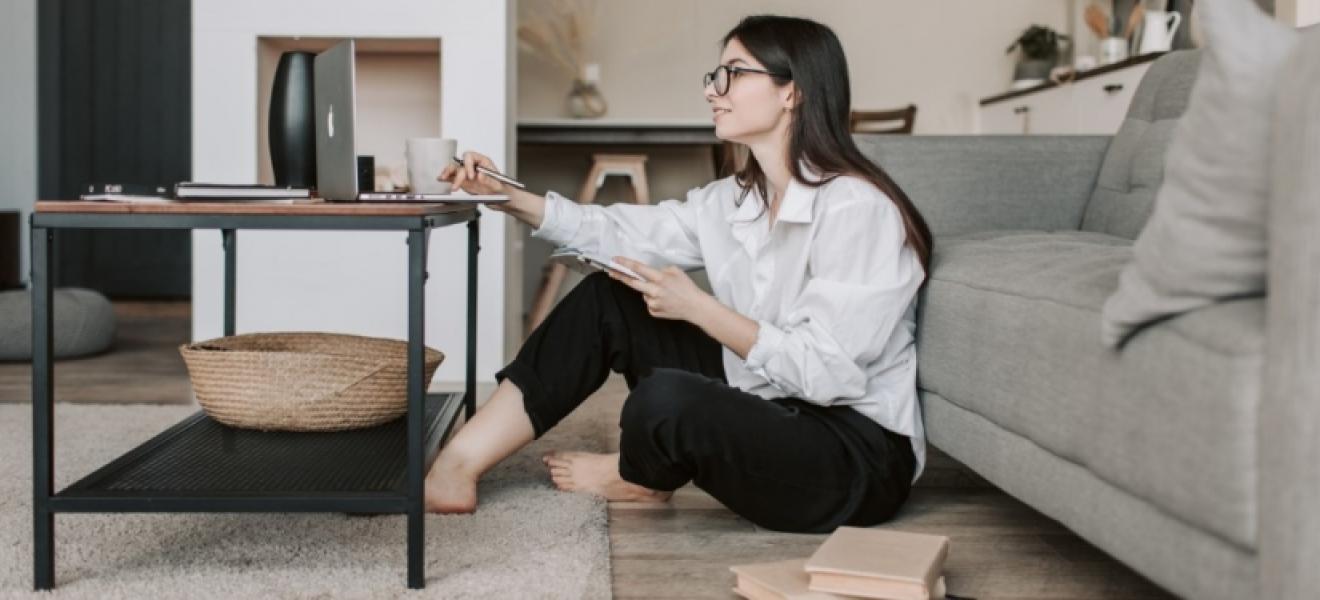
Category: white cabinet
[1006,116]
[1101,103]
[1094,104]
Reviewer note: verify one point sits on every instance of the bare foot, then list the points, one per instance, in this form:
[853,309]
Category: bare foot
[597,474]
[450,489]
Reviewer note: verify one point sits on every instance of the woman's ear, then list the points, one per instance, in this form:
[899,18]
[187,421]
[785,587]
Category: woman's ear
[790,98]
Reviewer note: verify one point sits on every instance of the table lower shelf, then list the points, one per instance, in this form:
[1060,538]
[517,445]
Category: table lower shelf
[201,465]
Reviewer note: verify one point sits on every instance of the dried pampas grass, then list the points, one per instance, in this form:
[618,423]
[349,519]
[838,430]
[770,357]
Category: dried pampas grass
[556,31]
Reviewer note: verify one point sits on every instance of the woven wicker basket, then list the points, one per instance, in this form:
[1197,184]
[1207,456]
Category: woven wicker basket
[302,381]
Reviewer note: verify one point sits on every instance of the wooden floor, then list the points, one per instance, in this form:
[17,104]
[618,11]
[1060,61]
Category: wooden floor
[1000,547]
[143,365]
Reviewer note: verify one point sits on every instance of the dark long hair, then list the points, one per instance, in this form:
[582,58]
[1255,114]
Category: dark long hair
[813,58]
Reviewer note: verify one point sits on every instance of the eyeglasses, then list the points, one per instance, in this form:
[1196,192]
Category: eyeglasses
[724,73]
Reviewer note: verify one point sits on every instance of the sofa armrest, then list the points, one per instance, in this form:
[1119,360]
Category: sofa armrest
[963,184]
[1288,427]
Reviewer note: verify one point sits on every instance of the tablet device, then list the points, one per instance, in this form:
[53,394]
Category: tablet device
[589,263]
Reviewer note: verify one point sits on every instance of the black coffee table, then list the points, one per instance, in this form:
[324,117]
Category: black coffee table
[201,465]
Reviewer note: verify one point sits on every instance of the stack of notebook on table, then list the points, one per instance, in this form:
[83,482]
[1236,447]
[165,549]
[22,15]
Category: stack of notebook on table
[194,192]
[854,563]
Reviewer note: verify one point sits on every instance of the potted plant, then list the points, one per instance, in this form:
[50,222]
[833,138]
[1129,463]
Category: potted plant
[1041,47]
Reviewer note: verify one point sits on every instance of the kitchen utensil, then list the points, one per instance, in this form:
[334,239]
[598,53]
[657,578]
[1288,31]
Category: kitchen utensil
[1097,20]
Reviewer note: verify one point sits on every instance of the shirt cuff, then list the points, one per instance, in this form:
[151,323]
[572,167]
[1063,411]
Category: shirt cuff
[768,340]
[561,220]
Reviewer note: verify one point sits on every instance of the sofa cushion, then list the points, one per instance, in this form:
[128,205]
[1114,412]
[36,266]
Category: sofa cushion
[1008,324]
[1205,241]
[972,183]
[1134,164]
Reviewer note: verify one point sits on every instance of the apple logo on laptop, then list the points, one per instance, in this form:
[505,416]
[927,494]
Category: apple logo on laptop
[330,121]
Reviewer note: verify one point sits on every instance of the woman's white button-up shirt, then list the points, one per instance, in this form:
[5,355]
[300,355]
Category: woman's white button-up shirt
[832,284]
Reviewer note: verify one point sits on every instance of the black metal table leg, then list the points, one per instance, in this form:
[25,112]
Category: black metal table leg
[230,241]
[89,494]
[43,411]
[417,242]
[474,246]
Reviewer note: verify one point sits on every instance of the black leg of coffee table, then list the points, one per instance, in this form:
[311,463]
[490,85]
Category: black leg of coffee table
[474,246]
[230,241]
[417,241]
[43,413]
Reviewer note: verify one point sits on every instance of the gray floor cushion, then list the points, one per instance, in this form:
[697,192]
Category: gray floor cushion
[1009,329]
[84,323]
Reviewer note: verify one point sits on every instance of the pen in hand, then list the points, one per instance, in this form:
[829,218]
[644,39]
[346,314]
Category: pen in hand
[496,176]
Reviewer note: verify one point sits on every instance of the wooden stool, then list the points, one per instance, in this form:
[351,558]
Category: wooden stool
[632,166]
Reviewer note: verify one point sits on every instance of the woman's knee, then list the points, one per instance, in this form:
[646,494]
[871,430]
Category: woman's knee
[601,281]
[599,291]
[663,395]
[597,278]
[589,288]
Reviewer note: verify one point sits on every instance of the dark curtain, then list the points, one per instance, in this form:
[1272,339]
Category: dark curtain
[115,107]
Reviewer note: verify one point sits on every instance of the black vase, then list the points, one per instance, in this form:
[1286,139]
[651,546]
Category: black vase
[293,121]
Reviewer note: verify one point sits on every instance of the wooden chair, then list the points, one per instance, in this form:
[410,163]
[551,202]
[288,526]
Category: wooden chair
[874,121]
[632,166]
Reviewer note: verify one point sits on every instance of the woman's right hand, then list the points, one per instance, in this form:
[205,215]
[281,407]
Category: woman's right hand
[472,181]
[522,205]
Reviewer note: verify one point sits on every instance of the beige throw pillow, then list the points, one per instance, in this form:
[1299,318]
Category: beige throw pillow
[1205,240]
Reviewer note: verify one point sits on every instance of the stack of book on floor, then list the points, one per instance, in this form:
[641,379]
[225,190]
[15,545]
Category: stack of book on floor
[194,192]
[854,563]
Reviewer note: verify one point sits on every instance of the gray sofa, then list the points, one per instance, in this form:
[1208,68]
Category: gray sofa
[1191,454]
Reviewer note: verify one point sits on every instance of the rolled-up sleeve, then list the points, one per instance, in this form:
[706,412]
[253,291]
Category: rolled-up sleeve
[560,222]
[660,235]
[863,279]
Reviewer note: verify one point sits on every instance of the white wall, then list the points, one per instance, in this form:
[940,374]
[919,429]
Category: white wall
[943,56]
[349,282]
[18,115]
[1298,13]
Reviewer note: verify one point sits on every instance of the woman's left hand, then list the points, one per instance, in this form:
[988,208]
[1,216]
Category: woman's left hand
[669,292]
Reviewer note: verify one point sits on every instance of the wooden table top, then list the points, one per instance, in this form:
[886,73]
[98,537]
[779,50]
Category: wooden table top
[301,208]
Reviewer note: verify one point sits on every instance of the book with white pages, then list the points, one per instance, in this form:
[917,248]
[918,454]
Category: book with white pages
[129,198]
[450,198]
[135,193]
[780,580]
[226,192]
[879,563]
[191,192]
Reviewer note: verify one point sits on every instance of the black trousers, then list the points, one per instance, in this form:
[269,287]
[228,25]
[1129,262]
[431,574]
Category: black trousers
[784,464]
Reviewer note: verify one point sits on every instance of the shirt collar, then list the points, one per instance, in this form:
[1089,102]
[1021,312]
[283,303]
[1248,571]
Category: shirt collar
[799,200]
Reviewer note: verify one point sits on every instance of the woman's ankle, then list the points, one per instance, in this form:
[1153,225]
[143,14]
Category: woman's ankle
[451,462]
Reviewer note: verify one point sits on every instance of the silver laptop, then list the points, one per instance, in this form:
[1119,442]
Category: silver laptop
[335,96]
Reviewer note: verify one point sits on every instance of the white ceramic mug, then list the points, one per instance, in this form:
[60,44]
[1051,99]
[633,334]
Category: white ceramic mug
[1157,31]
[1112,50]
[426,158]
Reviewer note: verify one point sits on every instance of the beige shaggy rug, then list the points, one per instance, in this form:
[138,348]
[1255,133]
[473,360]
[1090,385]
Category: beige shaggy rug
[526,540]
